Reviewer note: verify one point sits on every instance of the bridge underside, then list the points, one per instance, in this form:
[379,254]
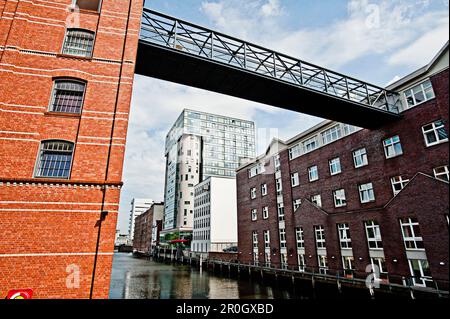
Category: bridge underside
[176,66]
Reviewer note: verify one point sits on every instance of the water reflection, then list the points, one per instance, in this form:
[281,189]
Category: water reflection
[135,278]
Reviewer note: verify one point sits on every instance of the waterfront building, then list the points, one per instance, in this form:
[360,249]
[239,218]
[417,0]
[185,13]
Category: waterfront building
[66,75]
[198,146]
[215,216]
[341,199]
[147,228]
[138,207]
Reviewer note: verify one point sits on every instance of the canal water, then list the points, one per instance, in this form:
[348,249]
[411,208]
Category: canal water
[139,278]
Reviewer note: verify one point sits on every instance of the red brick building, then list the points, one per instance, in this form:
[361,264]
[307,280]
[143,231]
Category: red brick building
[342,199]
[65,88]
[146,229]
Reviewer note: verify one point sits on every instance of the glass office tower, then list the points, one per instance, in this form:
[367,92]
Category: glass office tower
[200,145]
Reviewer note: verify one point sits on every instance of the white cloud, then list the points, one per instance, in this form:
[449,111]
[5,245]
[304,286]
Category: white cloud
[271,8]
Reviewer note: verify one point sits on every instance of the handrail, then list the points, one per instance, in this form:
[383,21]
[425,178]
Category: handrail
[176,34]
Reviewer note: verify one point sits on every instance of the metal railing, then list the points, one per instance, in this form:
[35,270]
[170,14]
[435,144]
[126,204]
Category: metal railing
[426,284]
[187,38]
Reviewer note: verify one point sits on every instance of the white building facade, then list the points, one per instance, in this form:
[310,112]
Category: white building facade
[198,146]
[215,215]
[138,207]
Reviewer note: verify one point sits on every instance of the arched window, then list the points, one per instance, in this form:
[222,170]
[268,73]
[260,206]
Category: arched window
[54,159]
[79,42]
[67,96]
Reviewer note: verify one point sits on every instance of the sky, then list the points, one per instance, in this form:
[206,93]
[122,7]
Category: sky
[375,41]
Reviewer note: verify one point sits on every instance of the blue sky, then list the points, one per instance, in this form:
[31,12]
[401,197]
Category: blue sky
[375,41]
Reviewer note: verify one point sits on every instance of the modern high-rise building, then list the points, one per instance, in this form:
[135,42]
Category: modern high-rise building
[200,145]
[138,207]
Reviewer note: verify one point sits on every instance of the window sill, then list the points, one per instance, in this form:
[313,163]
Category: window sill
[62,114]
[393,156]
[92,12]
[77,57]
[438,143]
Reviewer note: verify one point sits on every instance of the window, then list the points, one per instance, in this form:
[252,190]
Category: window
[366,193]
[284,261]
[335,166]
[253,193]
[373,234]
[331,134]
[344,236]
[319,232]
[323,264]
[398,183]
[265,212]
[348,129]
[282,238]
[360,158]
[263,189]
[277,162]
[296,203]
[279,186]
[420,271]
[313,173]
[93,5]
[295,180]
[347,263]
[378,267]
[255,239]
[67,96]
[55,159]
[411,233]
[339,198]
[254,214]
[419,93]
[317,200]
[299,237]
[442,173]
[392,147]
[301,262]
[266,239]
[434,133]
[280,212]
[310,144]
[255,170]
[79,42]
[294,152]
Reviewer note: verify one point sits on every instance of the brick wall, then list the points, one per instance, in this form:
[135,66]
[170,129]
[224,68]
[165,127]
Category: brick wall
[48,225]
[425,198]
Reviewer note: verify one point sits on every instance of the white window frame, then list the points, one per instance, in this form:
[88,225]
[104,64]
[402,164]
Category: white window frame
[336,163]
[301,262]
[360,154]
[444,173]
[265,211]
[295,179]
[413,242]
[281,213]
[282,238]
[263,189]
[322,261]
[313,173]
[435,127]
[310,144]
[296,204]
[267,239]
[253,193]
[380,263]
[366,193]
[332,134]
[423,88]
[423,280]
[344,236]
[255,240]
[319,234]
[389,144]
[316,200]
[377,239]
[278,186]
[398,180]
[254,213]
[300,238]
[339,197]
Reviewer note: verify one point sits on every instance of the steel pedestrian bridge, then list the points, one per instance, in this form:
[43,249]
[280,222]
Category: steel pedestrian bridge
[178,51]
